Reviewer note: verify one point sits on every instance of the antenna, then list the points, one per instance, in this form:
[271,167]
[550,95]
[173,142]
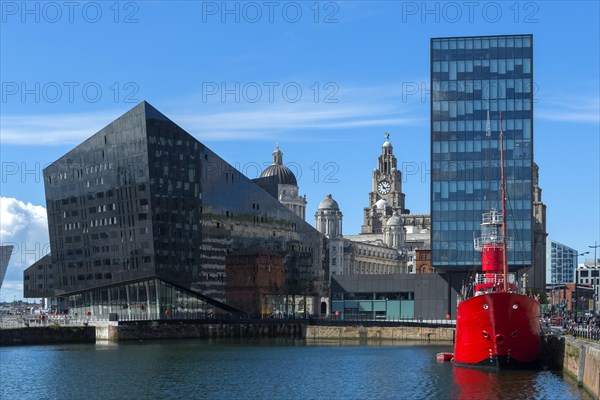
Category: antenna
[503,194]
[488,161]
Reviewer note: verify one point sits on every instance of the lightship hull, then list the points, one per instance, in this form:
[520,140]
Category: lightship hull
[499,330]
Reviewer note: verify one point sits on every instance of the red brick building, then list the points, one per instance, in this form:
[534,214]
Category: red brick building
[423,262]
[254,278]
[561,297]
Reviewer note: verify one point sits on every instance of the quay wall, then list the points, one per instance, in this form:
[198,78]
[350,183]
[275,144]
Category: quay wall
[47,335]
[578,359]
[152,330]
[416,333]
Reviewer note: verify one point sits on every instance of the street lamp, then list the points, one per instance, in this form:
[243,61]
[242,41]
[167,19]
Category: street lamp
[595,246]
[577,282]
[597,289]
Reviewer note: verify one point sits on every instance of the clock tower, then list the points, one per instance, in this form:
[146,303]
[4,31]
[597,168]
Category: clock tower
[386,195]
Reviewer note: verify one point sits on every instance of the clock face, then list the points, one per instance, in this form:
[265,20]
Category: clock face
[384,187]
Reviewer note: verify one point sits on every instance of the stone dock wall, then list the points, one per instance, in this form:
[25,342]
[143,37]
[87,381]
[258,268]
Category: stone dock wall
[318,332]
[578,359]
[152,330]
[47,335]
[156,330]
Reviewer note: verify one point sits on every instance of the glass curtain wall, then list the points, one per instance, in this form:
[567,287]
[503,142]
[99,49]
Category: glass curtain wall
[469,77]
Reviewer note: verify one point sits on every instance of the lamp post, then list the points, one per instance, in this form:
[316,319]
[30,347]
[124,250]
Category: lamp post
[577,283]
[597,289]
[595,246]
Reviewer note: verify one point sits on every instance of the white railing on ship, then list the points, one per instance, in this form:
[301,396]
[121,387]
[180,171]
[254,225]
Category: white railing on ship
[492,241]
[492,217]
[493,278]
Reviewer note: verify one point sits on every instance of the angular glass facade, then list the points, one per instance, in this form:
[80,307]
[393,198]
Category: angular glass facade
[144,300]
[469,76]
[142,199]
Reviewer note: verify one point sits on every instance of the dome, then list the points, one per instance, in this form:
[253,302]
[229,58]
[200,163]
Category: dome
[381,204]
[284,175]
[394,220]
[387,143]
[328,202]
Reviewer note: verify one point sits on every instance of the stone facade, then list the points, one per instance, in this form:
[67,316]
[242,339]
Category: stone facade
[537,273]
[389,235]
[386,197]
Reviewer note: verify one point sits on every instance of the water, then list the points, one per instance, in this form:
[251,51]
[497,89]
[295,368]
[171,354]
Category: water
[259,370]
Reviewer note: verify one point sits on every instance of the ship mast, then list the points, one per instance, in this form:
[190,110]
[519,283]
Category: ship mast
[503,194]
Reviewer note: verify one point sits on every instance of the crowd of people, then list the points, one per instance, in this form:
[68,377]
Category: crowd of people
[586,326]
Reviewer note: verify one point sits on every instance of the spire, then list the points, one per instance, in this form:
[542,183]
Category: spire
[277,156]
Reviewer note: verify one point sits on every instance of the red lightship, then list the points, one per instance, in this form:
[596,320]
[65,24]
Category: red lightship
[496,326]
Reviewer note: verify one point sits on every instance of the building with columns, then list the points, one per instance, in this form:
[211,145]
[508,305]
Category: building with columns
[389,234]
[329,223]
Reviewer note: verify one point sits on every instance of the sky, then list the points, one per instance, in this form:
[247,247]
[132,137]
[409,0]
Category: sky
[323,79]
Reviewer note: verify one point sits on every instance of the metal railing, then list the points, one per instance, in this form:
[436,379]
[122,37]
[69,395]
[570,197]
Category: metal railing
[585,332]
[496,279]
[11,321]
[492,241]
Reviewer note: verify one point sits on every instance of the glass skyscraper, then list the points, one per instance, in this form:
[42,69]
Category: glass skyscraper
[469,77]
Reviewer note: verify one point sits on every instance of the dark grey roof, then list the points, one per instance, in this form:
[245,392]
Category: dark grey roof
[284,174]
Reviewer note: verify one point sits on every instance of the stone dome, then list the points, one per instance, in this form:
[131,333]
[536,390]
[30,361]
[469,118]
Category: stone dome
[387,143]
[394,220]
[328,202]
[284,175]
[381,204]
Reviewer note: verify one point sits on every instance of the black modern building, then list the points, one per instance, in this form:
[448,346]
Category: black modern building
[471,76]
[142,218]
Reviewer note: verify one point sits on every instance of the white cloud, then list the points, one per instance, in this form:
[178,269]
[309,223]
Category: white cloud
[53,129]
[24,226]
[356,107]
[263,121]
[583,110]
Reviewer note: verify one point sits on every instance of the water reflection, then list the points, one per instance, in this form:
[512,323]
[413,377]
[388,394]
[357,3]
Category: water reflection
[260,369]
[474,384]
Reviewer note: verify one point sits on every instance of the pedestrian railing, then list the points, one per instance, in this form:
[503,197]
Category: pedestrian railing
[13,321]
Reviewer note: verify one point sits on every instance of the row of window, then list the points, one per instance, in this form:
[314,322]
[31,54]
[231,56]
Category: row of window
[372,253]
[466,111]
[590,281]
[481,43]
[472,226]
[512,66]
[512,129]
[476,205]
[489,90]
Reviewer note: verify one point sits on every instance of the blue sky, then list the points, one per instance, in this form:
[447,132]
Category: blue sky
[323,79]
